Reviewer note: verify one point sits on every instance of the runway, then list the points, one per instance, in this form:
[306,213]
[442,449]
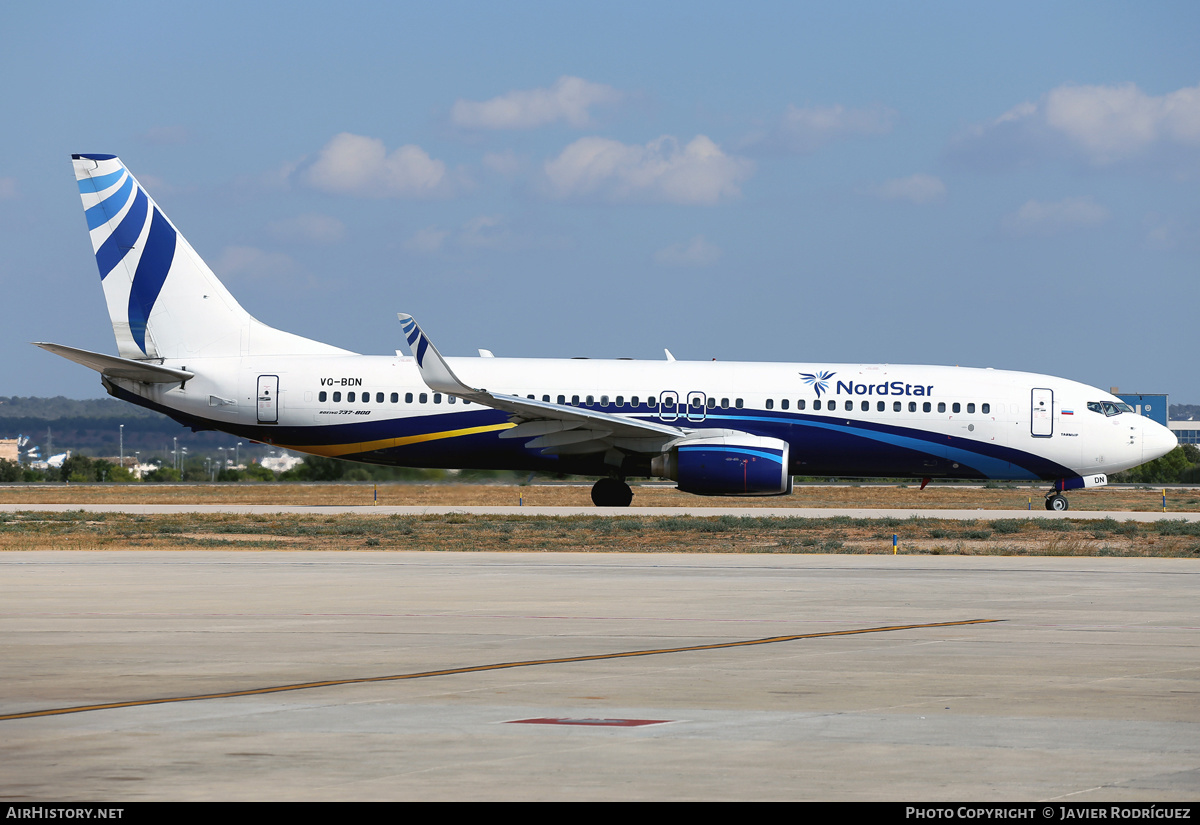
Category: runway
[404,675]
[606,512]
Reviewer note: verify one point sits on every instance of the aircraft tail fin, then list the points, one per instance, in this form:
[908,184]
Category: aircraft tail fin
[163,300]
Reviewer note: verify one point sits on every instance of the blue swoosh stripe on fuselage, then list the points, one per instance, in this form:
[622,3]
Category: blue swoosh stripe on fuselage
[487,451]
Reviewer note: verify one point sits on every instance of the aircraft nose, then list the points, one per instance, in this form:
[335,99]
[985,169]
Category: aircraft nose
[1157,440]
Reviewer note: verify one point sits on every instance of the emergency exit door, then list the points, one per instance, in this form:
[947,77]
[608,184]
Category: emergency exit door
[268,399]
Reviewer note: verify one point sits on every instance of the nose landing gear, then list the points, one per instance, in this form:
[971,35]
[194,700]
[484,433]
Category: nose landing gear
[1056,501]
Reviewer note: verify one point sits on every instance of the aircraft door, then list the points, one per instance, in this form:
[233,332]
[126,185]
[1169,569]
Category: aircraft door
[668,405]
[268,399]
[1042,413]
[695,406]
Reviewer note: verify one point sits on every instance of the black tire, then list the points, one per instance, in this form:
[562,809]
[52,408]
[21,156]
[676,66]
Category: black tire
[609,492]
[1058,503]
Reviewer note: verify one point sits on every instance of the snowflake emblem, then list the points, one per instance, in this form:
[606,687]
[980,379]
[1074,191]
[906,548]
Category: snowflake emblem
[818,380]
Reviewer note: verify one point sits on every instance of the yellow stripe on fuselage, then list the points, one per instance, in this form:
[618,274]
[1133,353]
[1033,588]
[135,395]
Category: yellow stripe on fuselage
[335,450]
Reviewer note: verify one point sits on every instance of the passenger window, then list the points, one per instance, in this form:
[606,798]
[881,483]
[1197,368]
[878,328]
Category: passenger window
[724,403]
[349,396]
[546,398]
[770,403]
[895,406]
[604,401]
[957,407]
[712,403]
[591,399]
[574,400]
[783,404]
[337,396]
[620,401]
[849,406]
[650,401]
[817,404]
[800,404]
[408,398]
[912,406]
[971,407]
[697,404]
[378,398]
[926,407]
[941,406]
[366,399]
[865,406]
[562,399]
[985,408]
[324,395]
[424,398]
[395,398]
[879,407]
[437,398]
[633,402]
[737,402]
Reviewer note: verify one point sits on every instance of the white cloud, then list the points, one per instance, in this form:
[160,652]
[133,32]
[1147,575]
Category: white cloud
[362,166]
[429,239]
[569,100]
[1041,218]
[310,228]
[251,262]
[8,189]
[918,189]
[1100,124]
[804,130]
[696,252]
[485,231]
[662,170]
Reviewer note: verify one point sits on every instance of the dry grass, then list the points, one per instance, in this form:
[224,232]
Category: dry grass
[577,495]
[721,534]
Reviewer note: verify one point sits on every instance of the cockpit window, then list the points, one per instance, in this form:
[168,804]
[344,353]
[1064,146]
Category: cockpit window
[1116,409]
[1095,407]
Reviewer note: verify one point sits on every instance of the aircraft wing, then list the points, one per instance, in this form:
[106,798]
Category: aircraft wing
[114,367]
[556,428]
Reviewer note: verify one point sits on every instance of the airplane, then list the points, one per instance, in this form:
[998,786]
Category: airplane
[188,349]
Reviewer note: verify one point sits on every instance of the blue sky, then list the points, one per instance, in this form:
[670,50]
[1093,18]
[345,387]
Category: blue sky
[1011,184]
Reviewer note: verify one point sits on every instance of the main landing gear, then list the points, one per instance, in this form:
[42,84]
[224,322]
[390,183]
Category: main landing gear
[611,492]
[1056,501]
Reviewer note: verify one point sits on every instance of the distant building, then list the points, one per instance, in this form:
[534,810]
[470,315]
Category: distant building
[10,449]
[1188,432]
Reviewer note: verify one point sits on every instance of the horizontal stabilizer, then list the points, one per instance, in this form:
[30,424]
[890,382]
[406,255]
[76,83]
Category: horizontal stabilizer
[114,367]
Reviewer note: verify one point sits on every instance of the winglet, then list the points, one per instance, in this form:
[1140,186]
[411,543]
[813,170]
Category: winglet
[435,372]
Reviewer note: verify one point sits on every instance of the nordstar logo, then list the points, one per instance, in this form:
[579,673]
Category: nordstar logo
[818,380]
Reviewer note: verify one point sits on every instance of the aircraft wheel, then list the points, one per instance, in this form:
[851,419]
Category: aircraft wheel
[1057,502]
[609,492]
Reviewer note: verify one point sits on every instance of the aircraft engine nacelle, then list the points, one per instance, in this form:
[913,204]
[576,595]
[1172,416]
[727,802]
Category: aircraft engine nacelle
[727,465]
